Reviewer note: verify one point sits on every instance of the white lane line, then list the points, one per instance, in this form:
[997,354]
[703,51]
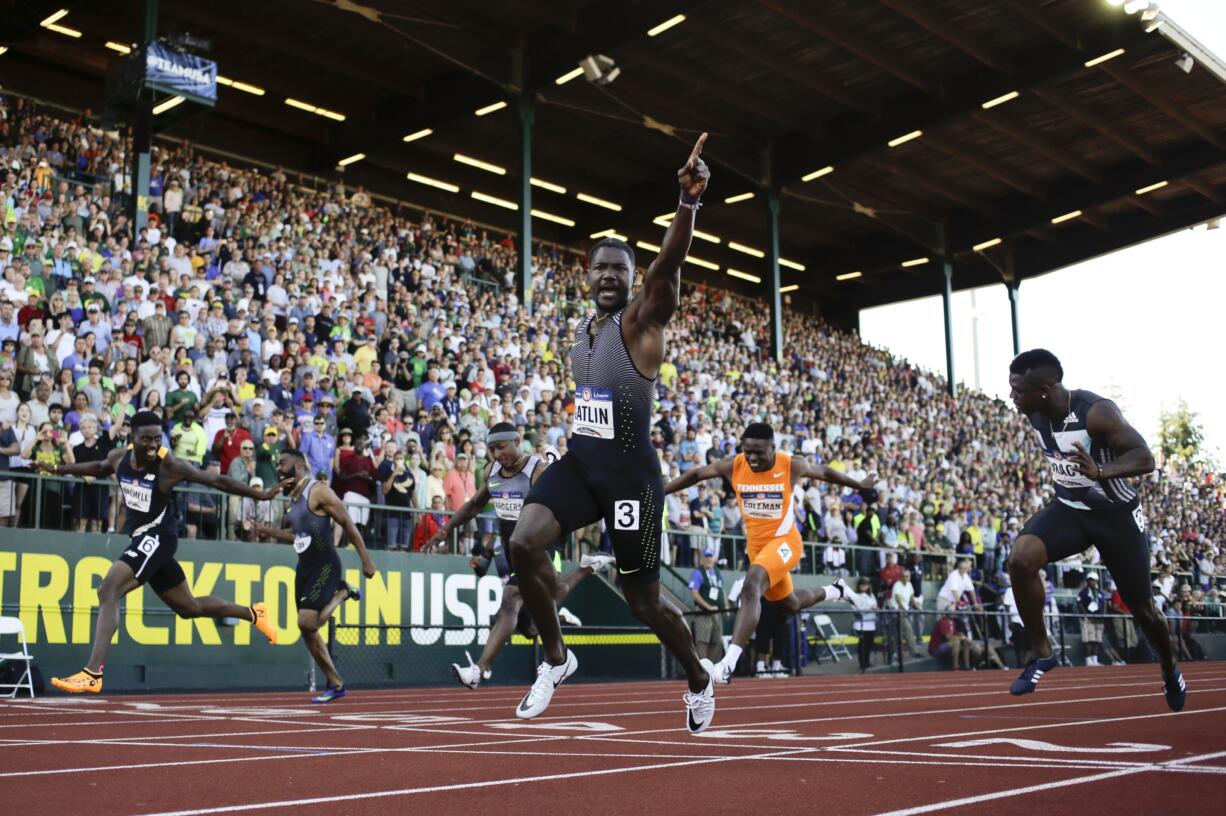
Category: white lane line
[1037,727]
[1063,783]
[318,800]
[299,755]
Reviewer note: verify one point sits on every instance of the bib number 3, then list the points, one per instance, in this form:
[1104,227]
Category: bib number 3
[625,515]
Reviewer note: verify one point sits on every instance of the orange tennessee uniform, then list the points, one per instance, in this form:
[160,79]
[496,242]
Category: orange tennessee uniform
[767,511]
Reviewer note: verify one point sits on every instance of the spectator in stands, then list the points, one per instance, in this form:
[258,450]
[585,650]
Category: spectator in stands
[949,640]
[958,585]
[707,593]
[865,624]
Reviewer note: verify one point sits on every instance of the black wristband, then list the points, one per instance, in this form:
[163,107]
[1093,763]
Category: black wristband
[692,203]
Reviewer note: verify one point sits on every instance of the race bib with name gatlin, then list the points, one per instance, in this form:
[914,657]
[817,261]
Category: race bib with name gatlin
[594,412]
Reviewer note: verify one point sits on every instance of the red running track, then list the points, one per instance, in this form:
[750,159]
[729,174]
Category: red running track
[1091,740]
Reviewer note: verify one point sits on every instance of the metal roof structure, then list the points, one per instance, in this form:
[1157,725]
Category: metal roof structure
[1011,136]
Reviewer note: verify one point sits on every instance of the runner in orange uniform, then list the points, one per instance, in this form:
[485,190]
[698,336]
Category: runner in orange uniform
[763,479]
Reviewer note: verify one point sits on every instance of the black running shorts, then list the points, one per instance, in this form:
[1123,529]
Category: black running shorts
[151,556]
[629,497]
[317,581]
[1117,533]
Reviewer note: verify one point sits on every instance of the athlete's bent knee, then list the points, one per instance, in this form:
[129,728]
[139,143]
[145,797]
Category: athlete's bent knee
[108,592]
[1028,557]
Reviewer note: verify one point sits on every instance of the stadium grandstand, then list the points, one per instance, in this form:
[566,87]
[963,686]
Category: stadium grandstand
[361,231]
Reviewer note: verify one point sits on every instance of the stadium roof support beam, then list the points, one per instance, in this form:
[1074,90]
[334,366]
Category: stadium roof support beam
[1126,78]
[774,297]
[816,23]
[989,168]
[963,41]
[1111,130]
[791,71]
[686,74]
[947,296]
[1039,145]
[1120,182]
[525,108]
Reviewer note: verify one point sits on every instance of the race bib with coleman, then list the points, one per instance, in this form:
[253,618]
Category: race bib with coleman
[302,542]
[594,412]
[509,505]
[1065,471]
[136,496]
[762,502]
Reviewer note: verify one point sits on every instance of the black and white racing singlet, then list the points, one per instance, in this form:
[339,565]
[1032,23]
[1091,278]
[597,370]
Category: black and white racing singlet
[612,421]
[508,493]
[312,532]
[1056,440]
[149,508]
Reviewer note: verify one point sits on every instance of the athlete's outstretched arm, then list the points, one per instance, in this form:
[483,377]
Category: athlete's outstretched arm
[279,533]
[1132,455]
[467,512]
[662,284]
[331,504]
[802,468]
[102,467]
[181,471]
[717,469]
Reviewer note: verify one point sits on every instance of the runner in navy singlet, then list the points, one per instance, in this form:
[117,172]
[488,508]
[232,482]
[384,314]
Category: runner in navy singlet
[1091,450]
[610,471]
[147,474]
[319,585]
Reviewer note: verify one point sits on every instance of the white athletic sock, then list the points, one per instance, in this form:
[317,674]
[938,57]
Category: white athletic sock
[732,656]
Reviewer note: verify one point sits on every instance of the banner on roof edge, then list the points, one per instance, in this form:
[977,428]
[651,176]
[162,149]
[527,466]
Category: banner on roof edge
[180,72]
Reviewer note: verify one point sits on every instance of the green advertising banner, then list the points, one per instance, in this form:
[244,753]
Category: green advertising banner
[416,616]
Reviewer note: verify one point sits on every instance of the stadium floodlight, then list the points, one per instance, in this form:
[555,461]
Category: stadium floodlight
[480,165]
[3,49]
[666,25]
[418,134]
[54,18]
[706,236]
[736,273]
[791,287]
[162,107]
[1150,13]
[495,200]
[1157,185]
[647,246]
[309,108]
[1133,6]
[65,30]
[1000,100]
[1116,3]
[702,263]
[354,159]
[988,244]
[664,220]
[574,73]
[126,49]
[254,90]
[906,137]
[547,185]
[1185,63]
[914,262]
[748,250]
[816,174]
[1068,216]
[736,199]
[496,106]
[433,182]
[846,276]
[599,202]
[609,233]
[599,69]
[799,267]
[1107,56]
[557,219]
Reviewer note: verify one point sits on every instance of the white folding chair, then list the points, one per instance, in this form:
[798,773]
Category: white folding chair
[13,626]
[830,635]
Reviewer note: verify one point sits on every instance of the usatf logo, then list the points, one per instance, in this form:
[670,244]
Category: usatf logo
[586,394]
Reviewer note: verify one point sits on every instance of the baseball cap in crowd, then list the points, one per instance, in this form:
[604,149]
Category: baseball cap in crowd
[1092,577]
[327,399]
[461,455]
[708,552]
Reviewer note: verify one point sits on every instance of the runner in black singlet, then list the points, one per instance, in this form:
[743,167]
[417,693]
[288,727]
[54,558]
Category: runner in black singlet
[319,585]
[508,479]
[1091,450]
[147,474]
[610,471]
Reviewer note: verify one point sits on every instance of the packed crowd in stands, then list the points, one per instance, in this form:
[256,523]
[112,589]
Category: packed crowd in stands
[256,312]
